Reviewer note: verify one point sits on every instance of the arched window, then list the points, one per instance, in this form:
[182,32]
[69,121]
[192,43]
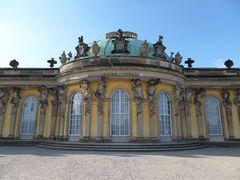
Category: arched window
[213,117]
[119,123]
[29,116]
[75,115]
[164,110]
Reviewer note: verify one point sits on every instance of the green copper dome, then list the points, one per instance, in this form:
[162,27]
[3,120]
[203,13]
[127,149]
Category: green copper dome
[134,48]
[123,44]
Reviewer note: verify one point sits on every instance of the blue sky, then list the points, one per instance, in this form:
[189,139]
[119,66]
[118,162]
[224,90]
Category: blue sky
[33,31]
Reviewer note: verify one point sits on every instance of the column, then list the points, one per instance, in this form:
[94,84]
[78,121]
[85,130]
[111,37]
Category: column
[3,103]
[43,101]
[152,104]
[138,96]
[100,96]
[15,104]
[199,94]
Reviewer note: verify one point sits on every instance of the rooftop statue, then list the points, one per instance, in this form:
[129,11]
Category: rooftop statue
[82,48]
[120,44]
[159,48]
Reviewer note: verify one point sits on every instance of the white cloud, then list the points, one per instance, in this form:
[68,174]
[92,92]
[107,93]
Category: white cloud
[219,63]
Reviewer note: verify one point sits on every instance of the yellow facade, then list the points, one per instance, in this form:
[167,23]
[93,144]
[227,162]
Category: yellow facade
[112,85]
[167,102]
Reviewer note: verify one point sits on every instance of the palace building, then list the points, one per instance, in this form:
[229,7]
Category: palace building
[120,89]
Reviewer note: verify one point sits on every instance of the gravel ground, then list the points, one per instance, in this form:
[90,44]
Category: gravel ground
[36,163]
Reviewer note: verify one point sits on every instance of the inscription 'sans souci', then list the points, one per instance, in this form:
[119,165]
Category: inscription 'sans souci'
[122,74]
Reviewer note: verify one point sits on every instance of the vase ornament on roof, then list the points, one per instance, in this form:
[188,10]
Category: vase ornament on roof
[178,58]
[63,58]
[144,49]
[95,48]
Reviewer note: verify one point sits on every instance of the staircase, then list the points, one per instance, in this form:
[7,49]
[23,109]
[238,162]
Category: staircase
[121,147]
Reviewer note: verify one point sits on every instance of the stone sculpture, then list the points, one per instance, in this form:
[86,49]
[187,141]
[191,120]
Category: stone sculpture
[95,48]
[187,103]
[100,95]
[178,97]
[144,49]
[85,86]
[159,48]
[3,102]
[199,94]
[82,48]
[138,96]
[61,105]
[228,109]
[178,58]
[120,45]
[54,109]
[43,105]
[15,103]
[63,58]
[151,96]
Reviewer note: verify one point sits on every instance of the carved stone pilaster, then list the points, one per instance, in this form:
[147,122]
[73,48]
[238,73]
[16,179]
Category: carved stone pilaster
[138,96]
[54,108]
[187,104]
[3,102]
[43,101]
[152,102]
[199,94]
[228,110]
[100,95]
[87,94]
[61,111]
[15,103]
[237,103]
[178,97]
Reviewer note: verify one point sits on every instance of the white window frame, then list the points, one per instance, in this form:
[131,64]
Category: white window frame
[219,115]
[32,116]
[159,113]
[111,106]
[70,115]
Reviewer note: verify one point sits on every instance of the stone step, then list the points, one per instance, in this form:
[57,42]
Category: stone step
[120,146]
[117,145]
[222,144]
[121,149]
